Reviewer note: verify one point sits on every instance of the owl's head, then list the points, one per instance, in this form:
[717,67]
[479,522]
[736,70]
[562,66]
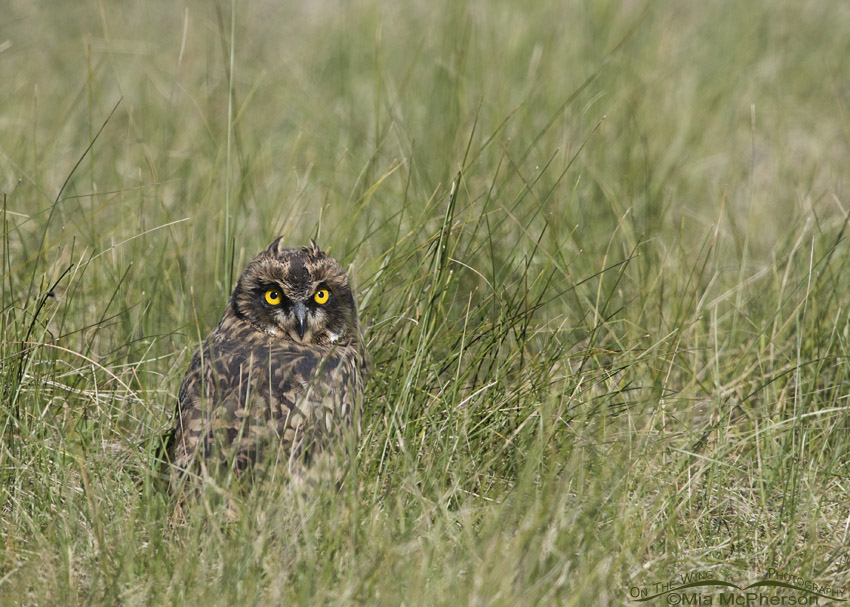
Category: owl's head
[299,294]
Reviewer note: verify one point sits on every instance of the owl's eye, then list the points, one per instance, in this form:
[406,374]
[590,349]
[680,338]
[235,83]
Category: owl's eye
[321,296]
[273,297]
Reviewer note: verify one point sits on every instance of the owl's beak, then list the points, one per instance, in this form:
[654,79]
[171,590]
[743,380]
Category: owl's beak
[301,315]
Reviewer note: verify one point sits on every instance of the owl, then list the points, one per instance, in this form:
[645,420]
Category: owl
[280,376]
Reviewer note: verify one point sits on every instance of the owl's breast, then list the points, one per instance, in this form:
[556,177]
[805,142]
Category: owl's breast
[237,397]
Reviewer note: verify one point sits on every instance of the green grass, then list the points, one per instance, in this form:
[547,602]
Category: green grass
[600,251]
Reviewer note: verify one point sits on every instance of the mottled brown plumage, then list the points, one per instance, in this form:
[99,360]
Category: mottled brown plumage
[281,372]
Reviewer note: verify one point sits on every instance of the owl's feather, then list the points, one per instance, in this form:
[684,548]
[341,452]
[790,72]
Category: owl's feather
[263,390]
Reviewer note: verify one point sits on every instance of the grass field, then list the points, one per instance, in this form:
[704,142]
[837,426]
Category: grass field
[601,257]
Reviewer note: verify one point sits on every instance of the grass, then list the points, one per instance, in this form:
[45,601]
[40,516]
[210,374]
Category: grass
[600,253]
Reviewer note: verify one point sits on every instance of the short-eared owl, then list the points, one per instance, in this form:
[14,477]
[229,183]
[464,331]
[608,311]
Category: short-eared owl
[282,371]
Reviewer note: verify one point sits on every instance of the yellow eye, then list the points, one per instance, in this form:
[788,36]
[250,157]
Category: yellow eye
[273,297]
[321,296]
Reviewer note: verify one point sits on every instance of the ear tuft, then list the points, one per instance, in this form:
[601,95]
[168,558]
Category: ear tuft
[314,247]
[276,246]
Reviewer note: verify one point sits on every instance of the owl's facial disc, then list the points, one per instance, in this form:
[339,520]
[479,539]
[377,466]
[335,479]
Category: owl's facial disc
[303,320]
[300,295]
